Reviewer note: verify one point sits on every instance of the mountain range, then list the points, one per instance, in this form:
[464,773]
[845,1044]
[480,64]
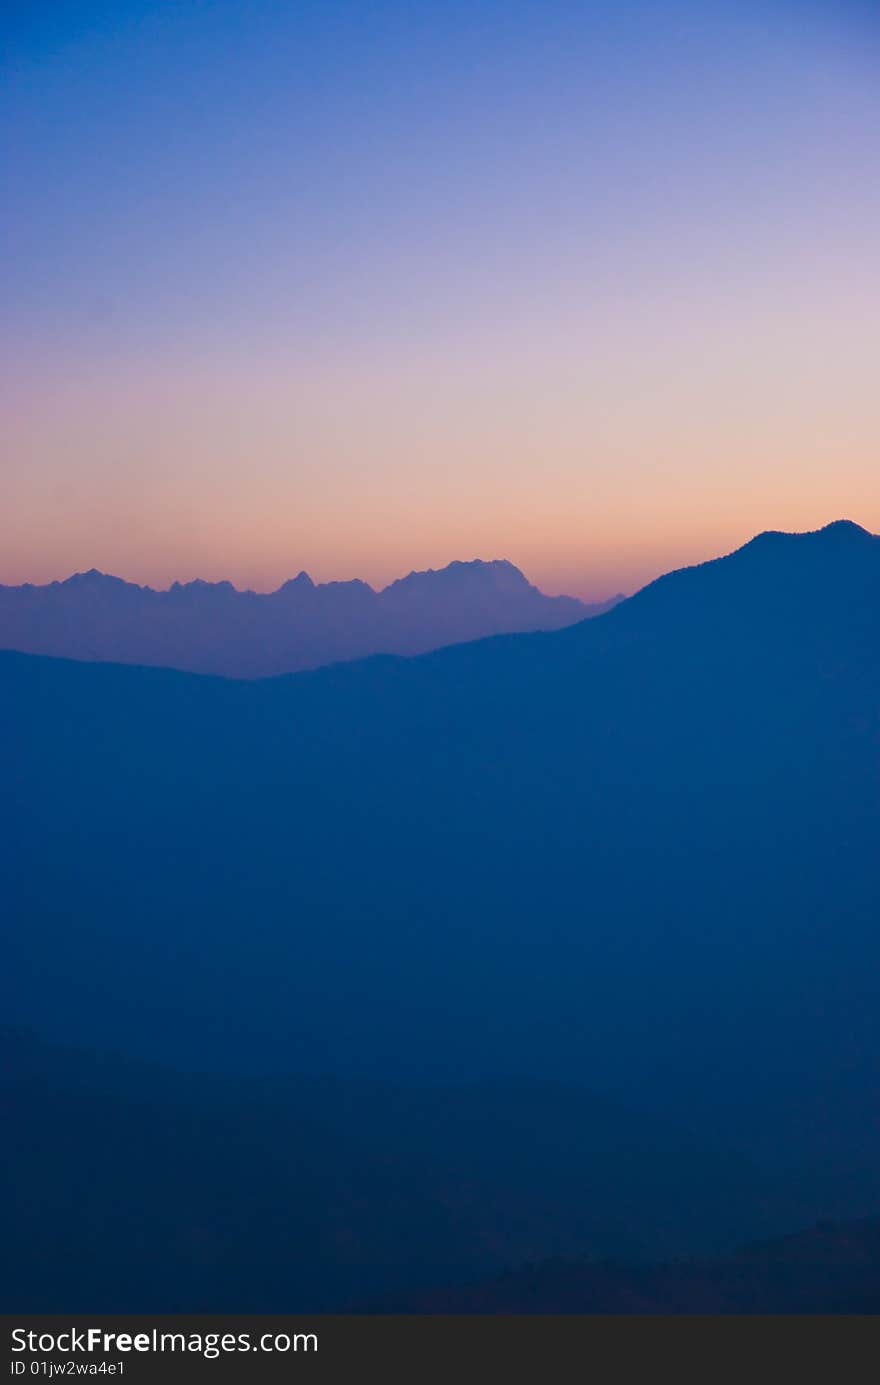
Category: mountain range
[194,1190]
[636,857]
[210,627]
[833,1267]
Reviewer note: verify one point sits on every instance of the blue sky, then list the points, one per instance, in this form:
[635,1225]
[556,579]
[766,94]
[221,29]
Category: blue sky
[361,287]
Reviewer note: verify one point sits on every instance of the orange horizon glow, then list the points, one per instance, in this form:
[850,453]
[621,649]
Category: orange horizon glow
[603,302]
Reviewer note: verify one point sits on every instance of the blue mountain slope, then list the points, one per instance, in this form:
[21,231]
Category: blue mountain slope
[639,853]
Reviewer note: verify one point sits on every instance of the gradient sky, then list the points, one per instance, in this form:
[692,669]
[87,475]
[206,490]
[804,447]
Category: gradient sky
[362,287]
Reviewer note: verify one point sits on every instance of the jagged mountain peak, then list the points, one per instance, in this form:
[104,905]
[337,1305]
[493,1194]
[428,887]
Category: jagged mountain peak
[93,578]
[301,582]
[211,627]
[479,572]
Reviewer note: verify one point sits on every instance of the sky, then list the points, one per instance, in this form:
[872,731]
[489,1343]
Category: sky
[366,287]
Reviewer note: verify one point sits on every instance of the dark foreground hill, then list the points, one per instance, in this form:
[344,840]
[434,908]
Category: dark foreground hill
[210,627]
[135,1188]
[638,854]
[833,1268]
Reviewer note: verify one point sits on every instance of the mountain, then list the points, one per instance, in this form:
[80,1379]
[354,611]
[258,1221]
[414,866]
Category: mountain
[183,1191]
[636,855]
[209,627]
[831,1268]
[186,1191]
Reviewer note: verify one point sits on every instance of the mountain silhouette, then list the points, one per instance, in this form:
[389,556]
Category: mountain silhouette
[637,854]
[193,1191]
[210,627]
[185,1191]
[831,1268]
